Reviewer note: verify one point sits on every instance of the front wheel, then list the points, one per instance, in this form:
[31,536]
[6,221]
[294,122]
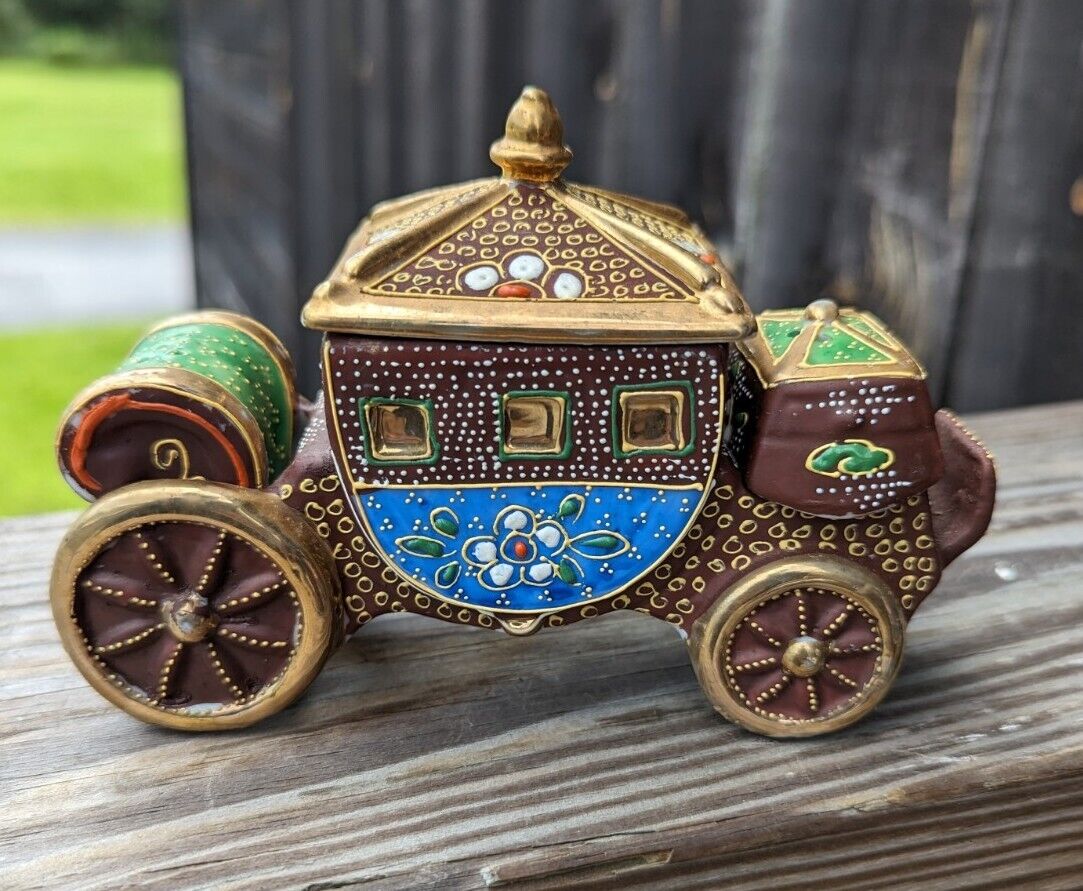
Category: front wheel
[195,605]
[799,647]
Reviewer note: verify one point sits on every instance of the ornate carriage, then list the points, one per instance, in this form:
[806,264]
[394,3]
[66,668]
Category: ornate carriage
[531,415]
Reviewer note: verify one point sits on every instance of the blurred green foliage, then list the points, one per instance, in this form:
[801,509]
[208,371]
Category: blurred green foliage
[87,31]
[44,370]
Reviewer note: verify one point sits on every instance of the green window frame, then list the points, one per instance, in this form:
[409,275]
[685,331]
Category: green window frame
[679,394]
[374,412]
[558,405]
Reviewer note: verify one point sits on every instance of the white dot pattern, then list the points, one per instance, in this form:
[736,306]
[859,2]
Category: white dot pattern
[465,383]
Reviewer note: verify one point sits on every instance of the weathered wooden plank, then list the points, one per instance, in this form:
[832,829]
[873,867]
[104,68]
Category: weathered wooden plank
[1019,331]
[429,755]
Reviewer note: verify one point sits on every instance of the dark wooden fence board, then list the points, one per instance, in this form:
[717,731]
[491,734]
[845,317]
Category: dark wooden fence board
[911,156]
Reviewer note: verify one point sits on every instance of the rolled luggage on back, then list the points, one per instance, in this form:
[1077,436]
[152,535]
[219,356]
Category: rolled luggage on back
[209,395]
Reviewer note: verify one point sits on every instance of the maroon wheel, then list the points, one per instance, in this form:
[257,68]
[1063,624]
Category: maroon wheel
[800,647]
[195,605]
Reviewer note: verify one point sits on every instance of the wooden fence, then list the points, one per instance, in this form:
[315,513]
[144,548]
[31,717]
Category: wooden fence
[922,158]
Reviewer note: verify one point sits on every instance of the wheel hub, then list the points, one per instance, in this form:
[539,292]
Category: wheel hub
[804,656]
[188,617]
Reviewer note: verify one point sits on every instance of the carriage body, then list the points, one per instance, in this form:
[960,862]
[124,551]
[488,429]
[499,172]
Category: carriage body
[542,402]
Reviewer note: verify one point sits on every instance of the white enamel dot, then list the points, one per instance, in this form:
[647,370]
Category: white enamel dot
[516,520]
[549,536]
[526,267]
[539,572]
[485,551]
[481,278]
[568,286]
[500,573]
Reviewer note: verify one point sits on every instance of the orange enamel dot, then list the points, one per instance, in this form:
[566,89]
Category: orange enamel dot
[513,290]
[520,549]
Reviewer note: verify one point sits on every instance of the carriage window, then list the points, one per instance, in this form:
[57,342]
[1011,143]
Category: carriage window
[399,431]
[535,424]
[653,419]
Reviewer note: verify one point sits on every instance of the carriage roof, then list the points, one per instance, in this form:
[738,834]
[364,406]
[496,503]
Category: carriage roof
[612,268]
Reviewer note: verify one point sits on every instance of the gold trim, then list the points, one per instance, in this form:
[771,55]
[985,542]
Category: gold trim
[188,384]
[256,516]
[704,306]
[714,627]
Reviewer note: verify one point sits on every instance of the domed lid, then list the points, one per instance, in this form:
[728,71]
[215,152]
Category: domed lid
[528,258]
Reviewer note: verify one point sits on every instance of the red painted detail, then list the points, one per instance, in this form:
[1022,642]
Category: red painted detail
[709,258]
[119,402]
[513,290]
[520,549]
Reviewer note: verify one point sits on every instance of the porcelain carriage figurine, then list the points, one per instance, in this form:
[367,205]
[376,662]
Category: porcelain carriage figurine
[543,402]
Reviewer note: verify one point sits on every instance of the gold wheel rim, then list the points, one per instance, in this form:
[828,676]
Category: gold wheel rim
[803,655]
[257,518]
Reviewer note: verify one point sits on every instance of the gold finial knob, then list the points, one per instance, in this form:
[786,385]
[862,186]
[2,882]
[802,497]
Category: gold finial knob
[533,143]
[822,310]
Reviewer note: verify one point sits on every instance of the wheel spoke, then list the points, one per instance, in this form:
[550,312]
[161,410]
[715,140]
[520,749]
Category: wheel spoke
[843,678]
[115,591]
[151,552]
[129,643]
[853,649]
[756,665]
[775,689]
[255,597]
[212,563]
[762,632]
[165,676]
[255,643]
[223,673]
[802,613]
[832,628]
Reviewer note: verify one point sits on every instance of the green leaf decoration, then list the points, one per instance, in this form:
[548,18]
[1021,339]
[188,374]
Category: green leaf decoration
[444,521]
[599,545]
[572,506]
[448,574]
[568,572]
[854,456]
[421,546]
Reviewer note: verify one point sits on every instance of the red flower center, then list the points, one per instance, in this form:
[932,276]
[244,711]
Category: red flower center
[520,549]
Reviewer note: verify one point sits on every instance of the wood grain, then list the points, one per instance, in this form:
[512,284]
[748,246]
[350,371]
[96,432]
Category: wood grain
[914,157]
[432,756]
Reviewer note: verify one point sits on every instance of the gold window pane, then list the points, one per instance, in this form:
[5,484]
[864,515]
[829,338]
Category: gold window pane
[653,419]
[399,431]
[534,424]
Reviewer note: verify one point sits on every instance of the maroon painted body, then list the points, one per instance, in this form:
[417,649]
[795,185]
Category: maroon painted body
[734,533]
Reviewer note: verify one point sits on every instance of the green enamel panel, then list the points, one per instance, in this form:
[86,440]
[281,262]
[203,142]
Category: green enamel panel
[779,334]
[834,346]
[234,361]
[863,327]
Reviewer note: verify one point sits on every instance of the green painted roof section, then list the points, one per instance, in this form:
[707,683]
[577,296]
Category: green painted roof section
[835,346]
[779,334]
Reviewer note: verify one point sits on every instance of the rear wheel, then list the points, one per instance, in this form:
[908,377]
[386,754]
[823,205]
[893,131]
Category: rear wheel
[195,605]
[800,647]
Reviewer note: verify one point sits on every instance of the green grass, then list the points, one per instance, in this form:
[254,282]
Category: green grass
[87,143]
[42,371]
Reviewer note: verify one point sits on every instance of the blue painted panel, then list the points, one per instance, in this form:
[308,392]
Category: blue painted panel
[527,548]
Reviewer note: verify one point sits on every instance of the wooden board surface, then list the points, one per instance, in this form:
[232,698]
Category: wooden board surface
[432,756]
